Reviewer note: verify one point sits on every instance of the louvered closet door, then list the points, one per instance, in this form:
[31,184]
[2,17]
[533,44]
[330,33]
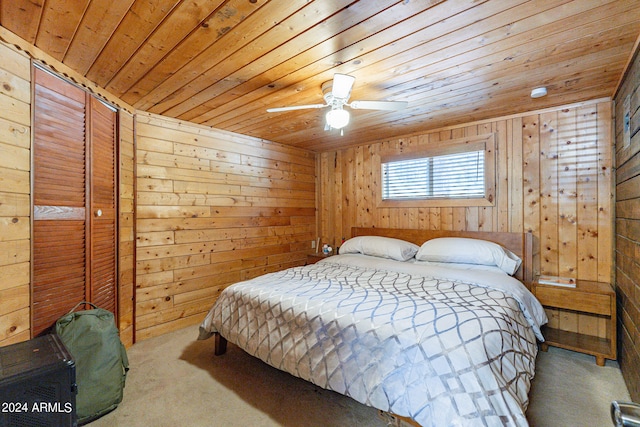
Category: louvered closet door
[103,247]
[74,254]
[59,197]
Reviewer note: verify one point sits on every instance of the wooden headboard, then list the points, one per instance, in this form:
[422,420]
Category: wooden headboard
[520,244]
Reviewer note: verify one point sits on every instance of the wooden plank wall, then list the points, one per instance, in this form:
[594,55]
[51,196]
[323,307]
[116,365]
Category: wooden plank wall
[628,228]
[126,228]
[15,193]
[553,178]
[213,208]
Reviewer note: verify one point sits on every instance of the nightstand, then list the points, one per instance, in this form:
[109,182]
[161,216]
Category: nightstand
[582,318]
[315,257]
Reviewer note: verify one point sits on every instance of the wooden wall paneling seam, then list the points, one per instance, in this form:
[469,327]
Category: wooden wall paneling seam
[566,205]
[337,185]
[501,202]
[373,180]
[347,193]
[549,194]
[531,182]
[587,195]
[125,229]
[606,191]
[509,176]
[327,213]
[516,190]
[135,225]
[489,214]
[567,193]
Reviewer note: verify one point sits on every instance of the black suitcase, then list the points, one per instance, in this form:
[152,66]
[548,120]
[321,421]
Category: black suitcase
[37,384]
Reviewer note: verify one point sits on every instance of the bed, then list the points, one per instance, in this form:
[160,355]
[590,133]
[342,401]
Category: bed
[437,327]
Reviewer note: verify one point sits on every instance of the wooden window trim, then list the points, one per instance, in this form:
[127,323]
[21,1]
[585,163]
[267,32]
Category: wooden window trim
[451,146]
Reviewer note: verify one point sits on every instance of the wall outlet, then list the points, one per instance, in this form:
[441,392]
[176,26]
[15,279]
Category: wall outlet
[313,244]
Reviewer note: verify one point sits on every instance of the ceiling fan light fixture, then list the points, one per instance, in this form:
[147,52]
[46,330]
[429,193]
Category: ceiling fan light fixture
[336,94]
[338,118]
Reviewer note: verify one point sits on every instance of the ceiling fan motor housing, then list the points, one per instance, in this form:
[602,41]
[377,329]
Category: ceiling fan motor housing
[327,94]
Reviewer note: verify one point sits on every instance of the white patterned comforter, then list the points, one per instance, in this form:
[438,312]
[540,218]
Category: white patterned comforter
[441,346]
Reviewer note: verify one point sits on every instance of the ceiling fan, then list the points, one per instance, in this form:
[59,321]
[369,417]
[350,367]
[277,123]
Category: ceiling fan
[336,94]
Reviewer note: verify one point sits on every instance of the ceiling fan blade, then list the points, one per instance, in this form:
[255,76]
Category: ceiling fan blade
[295,107]
[378,105]
[342,85]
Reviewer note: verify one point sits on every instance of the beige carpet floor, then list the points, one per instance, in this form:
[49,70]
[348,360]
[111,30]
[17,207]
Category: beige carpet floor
[177,381]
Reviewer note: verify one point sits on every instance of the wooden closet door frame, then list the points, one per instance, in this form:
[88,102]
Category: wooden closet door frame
[87,198]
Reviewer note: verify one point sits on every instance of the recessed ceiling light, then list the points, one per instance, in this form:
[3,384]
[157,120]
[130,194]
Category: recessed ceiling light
[538,92]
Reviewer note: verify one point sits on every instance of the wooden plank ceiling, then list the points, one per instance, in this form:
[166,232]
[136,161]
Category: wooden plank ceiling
[223,62]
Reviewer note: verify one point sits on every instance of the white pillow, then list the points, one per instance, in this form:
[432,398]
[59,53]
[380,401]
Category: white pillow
[383,247]
[469,251]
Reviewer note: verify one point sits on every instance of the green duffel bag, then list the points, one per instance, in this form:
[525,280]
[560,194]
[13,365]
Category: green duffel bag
[101,360]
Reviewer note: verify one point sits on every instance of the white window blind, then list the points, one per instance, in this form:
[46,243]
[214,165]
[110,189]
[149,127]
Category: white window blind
[459,175]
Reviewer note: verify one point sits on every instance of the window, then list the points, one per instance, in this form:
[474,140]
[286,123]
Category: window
[459,175]
[449,173]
